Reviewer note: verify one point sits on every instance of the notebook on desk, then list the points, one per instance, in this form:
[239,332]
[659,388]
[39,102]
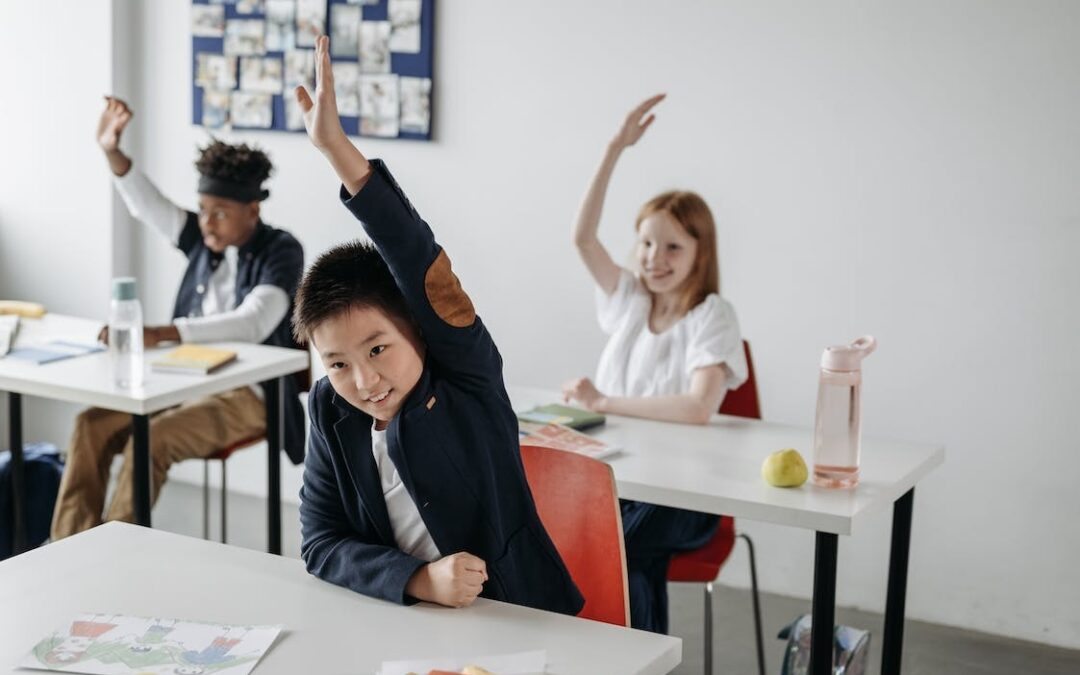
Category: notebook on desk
[568,416]
[57,350]
[9,327]
[193,360]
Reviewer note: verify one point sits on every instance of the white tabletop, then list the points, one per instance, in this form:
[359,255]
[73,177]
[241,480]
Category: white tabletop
[125,569]
[88,379]
[716,468]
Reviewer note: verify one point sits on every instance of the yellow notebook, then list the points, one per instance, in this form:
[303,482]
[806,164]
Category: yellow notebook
[193,359]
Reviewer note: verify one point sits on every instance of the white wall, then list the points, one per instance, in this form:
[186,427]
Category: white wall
[901,169]
[56,210]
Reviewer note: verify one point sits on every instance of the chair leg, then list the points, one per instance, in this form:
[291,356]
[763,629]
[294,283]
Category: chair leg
[757,604]
[206,499]
[224,501]
[707,638]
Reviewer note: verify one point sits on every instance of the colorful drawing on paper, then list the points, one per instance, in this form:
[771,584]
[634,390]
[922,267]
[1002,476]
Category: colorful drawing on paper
[102,644]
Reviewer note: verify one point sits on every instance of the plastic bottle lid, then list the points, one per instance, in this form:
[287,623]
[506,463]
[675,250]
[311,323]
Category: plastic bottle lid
[123,288]
[848,358]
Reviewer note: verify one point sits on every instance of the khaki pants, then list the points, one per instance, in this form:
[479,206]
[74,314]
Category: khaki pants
[196,429]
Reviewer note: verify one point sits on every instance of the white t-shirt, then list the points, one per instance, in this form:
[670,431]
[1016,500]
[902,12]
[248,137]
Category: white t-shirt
[410,533]
[638,362]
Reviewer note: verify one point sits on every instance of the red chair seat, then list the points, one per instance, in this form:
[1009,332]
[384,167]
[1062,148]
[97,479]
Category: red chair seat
[703,564]
[225,453]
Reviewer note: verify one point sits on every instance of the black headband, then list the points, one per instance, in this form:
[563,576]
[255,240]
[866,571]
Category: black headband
[240,192]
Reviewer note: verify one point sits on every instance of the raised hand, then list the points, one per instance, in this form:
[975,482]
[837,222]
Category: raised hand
[111,125]
[636,123]
[321,113]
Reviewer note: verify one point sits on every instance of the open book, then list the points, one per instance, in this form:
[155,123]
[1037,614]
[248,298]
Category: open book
[563,438]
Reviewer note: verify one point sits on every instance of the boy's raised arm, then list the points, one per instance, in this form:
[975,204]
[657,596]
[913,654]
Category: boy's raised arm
[324,125]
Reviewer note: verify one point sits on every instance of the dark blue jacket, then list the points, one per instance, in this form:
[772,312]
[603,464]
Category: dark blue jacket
[271,257]
[454,444]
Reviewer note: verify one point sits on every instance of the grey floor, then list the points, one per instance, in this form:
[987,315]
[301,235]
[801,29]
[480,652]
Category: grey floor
[929,649]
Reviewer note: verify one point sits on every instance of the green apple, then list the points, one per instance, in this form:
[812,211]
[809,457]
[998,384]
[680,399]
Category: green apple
[784,468]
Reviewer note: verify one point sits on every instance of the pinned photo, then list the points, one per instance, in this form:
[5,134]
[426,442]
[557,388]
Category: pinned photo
[294,116]
[207,20]
[250,6]
[379,105]
[416,104]
[300,69]
[261,75]
[280,25]
[244,37]
[375,47]
[404,26]
[252,110]
[215,71]
[344,30]
[215,109]
[346,88]
[310,21]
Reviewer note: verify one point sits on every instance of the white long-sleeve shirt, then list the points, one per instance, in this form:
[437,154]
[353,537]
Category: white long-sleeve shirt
[222,319]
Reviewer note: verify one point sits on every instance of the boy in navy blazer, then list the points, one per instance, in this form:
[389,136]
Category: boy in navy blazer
[413,484]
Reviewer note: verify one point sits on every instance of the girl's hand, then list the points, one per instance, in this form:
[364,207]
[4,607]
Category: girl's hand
[321,114]
[111,124]
[584,392]
[636,123]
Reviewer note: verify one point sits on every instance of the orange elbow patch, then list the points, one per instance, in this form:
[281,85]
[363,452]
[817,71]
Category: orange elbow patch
[445,294]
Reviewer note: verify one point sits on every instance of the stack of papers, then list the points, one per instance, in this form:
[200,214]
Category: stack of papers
[9,326]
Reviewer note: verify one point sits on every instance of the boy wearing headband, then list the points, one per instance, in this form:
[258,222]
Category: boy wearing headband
[240,280]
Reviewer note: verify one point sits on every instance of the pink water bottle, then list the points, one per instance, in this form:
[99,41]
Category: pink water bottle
[836,427]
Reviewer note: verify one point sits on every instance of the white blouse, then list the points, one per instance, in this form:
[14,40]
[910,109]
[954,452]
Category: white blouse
[638,362]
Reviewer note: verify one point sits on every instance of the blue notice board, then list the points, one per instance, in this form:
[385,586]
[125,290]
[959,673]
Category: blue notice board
[247,57]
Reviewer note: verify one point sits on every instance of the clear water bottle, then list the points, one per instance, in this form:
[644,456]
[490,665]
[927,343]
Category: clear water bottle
[125,334]
[837,424]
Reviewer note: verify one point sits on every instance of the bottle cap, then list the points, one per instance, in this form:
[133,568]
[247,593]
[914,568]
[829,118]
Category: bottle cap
[123,288]
[848,358]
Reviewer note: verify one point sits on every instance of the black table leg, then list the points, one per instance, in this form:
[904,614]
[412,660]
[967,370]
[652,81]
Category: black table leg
[892,643]
[824,610]
[275,416]
[140,477]
[18,495]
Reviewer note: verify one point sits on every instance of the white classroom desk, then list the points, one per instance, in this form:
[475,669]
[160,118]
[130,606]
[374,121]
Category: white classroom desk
[716,468]
[126,569]
[87,380]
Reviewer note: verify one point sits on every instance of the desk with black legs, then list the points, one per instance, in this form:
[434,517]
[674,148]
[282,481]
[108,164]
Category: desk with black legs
[716,468]
[87,380]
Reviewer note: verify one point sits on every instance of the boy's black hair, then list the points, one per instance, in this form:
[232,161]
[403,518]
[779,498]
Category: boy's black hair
[240,163]
[348,276]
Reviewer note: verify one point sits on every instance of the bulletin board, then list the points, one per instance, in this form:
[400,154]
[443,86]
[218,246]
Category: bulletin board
[248,56]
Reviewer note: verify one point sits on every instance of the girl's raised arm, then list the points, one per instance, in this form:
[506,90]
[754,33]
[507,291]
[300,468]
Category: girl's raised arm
[604,270]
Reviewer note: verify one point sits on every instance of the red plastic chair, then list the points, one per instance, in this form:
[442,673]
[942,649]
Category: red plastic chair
[703,565]
[578,505]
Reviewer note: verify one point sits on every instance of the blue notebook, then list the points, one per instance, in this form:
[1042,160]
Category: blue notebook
[53,351]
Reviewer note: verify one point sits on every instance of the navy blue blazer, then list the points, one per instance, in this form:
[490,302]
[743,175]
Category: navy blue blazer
[454,443]
[271,256]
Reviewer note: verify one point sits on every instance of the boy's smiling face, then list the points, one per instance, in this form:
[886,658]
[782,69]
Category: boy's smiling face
[373,360]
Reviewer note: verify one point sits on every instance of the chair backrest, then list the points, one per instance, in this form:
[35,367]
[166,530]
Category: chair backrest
[579,507]
[743,402]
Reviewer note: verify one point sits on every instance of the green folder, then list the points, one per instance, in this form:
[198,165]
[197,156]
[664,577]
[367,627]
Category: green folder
[553,413]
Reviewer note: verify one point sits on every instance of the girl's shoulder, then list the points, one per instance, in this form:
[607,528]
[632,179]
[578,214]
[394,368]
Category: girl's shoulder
[712,313]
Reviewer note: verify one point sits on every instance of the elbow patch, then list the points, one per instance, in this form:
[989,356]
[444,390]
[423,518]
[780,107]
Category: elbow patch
[445,294]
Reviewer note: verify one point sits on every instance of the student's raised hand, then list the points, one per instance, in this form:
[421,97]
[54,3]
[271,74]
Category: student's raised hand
[636,123]
[453,581]
[321,113]
[584,392]
[112,122]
